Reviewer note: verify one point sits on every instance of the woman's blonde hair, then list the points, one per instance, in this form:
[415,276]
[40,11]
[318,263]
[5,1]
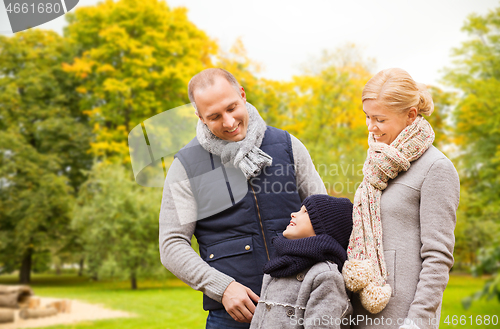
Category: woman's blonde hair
[396,89]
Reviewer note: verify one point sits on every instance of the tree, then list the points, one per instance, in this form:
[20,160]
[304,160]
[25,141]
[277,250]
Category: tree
[322,108]
[34,203]
[134,58]
[328,119]
[43,145]
[476,73]
[118,219]
[325,113]
[440,119]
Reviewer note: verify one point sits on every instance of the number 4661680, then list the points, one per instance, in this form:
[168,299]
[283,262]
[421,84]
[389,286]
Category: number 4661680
[31,8]
[471,320]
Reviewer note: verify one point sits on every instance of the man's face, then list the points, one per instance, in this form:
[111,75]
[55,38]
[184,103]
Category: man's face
[223,110]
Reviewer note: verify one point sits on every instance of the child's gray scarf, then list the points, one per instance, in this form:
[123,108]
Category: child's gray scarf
[245,154]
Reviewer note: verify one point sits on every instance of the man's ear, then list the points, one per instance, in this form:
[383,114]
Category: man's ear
[243,94]
[412,115]
[199,116]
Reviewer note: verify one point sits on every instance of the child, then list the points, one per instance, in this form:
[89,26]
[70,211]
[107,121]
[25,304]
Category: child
[303,286]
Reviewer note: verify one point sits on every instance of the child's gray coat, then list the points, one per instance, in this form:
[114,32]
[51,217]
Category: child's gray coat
[315,298]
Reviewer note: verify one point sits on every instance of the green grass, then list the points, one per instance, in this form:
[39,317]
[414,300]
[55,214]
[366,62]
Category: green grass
[172,304]
[156,304]
[461,286]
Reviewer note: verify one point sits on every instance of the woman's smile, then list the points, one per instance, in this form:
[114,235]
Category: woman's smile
[384,124]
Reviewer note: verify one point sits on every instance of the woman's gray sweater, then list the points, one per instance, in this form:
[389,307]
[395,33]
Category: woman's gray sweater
[418,213]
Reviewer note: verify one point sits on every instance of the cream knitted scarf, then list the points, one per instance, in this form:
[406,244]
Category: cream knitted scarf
[245,154]
[365,271]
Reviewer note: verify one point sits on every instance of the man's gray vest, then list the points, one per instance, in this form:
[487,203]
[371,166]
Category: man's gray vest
[237,219]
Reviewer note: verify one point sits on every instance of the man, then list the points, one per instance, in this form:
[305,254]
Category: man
[265,174]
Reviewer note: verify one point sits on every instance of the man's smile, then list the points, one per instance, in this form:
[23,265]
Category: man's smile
[234,129]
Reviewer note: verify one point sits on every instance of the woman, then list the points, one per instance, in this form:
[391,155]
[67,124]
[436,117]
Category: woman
[401,248]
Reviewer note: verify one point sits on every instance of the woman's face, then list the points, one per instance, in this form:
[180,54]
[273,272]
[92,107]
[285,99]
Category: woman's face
[385,124]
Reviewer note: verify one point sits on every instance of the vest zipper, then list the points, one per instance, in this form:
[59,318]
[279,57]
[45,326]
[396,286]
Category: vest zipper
[260,222]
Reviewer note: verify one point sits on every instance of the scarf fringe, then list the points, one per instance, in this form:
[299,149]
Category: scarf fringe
[252,163]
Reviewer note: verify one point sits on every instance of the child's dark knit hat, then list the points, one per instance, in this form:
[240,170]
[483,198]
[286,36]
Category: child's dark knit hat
[332,216]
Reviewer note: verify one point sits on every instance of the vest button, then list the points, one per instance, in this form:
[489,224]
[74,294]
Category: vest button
[268,307]
[211,256]
[290,311]
[247,247]
[300,276]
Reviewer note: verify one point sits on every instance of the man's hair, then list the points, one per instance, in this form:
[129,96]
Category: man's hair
[206,78]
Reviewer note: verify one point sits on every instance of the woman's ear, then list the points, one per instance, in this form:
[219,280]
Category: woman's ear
[412,115]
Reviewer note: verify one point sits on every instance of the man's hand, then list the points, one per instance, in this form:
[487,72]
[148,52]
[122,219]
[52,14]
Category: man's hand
[237,300]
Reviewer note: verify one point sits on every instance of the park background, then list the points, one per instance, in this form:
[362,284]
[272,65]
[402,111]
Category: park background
[75,224]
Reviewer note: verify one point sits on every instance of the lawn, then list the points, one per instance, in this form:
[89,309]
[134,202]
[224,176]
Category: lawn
[171,304]
[459,287]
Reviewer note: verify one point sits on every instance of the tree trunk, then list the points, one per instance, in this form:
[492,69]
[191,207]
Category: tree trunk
[6,316]
[80,270]
[26,313]
[25,272]
[133,281]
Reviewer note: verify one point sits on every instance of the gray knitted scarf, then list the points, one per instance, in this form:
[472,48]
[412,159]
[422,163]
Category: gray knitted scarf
[365,271]
[245,154]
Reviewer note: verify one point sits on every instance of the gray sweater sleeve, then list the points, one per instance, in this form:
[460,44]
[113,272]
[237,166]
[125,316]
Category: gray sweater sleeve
[440,194]
[178,221]
[308,180]
[177,225]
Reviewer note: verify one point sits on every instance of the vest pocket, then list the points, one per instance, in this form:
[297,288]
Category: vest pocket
[228,248]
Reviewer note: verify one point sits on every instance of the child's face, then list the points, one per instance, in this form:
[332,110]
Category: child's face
[300,225]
